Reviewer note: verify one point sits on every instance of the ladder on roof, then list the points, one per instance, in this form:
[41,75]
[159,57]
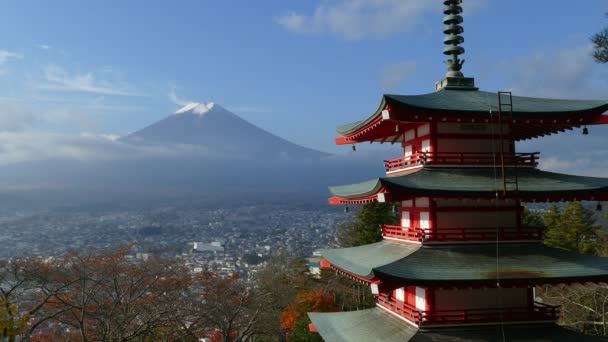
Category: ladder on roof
[510,180]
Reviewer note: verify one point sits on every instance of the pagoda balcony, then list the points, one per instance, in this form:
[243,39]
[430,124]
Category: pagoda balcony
[420,158]
[538,312]
[463,234]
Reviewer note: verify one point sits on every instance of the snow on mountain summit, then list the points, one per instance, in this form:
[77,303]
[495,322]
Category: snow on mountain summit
[196,108]
[221,131]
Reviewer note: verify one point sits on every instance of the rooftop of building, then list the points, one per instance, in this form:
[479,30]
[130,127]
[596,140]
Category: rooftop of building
[533,184]
[378,325]
[514,264]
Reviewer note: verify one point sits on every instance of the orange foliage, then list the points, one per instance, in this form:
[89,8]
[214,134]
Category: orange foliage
[307,301]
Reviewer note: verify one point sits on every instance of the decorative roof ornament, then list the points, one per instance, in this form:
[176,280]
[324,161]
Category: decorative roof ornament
[455,78]
[454,39]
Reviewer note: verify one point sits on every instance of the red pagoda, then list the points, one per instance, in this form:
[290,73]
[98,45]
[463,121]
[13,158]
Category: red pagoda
[461,266]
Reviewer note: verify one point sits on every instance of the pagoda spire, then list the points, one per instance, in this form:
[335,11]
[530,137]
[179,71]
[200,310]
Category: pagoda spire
[454,79]
[453,30]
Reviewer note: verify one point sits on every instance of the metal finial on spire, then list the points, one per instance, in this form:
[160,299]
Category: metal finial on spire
[453,29]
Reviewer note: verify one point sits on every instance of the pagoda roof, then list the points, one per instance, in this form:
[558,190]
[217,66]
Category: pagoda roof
[363,325]
[378,325]
[516,263]
[362,260]
[533,184]
[461,105]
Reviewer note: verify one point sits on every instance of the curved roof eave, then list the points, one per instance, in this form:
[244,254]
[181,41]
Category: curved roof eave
[378,325]
[525,262]
[361,260]
[479,103]
[532,184]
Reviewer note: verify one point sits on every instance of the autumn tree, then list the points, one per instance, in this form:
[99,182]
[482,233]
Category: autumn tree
[281,278]
[105,296]
[364,228]
[224,306]
[294,317]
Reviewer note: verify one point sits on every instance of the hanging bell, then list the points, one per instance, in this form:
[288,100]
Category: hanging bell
[598,207]
[354,148]
[346,210]
[395,210]
[585,131]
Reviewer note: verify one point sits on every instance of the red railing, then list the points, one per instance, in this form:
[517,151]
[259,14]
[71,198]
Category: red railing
[463,234]
[398,232]
[404,310]
[537,312]
[461,158]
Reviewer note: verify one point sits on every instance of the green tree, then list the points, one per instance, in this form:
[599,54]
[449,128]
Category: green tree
[600,42]
[365,227]
[573,228]
[532,219]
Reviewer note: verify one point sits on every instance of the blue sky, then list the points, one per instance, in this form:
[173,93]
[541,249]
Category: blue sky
[296,69]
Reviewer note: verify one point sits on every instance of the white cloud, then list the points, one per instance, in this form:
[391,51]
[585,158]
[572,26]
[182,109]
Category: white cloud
[174,98]
[363,19]
[14,117]
[569,72]
[5,56]
[44,47]
[58,79]
[393,75]
[28,146]
[572,152]
[565,73]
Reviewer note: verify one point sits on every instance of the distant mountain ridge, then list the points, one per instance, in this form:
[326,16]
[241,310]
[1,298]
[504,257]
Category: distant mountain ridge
[220,131]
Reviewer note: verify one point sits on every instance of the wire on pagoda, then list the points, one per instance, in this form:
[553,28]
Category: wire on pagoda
[496,220]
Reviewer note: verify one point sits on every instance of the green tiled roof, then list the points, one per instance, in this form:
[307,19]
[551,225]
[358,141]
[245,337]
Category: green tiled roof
[467,263]
[361,260]
[361,326]
[470,181]
[475,103]
[519,262]
[376,325]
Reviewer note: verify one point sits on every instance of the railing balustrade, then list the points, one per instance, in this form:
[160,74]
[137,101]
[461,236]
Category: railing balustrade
[461,158]
[463,234]
[536,312]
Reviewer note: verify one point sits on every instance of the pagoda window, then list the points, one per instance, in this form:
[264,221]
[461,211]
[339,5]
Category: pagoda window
[426,146]
[409,135]
[421,298]
[407,204]
[425,220]
[400,294]
[422,202]
[408,152]
[424,130]
[405,219]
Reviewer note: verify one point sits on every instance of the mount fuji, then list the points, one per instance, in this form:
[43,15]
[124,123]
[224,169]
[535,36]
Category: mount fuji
[220,132]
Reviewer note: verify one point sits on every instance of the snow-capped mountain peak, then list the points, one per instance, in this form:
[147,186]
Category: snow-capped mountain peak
[196,108]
